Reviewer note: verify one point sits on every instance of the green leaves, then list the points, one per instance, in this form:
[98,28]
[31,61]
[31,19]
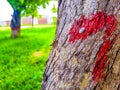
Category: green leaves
[22,1]
[27,7]
[54,9]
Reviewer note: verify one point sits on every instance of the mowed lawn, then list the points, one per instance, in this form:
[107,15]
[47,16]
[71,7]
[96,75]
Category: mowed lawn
[22,60]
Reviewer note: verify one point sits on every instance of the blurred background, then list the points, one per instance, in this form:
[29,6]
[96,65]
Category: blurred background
[45,15]
[23,59]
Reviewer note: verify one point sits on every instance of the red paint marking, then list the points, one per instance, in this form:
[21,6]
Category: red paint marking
[85,27]
[100,61]
[16,28]
[111,24]
[92,25]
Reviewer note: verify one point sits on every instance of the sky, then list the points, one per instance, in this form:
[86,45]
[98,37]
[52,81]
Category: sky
[5,10]
[48,10]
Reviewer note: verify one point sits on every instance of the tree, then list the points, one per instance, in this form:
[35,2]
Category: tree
[25,7]
[54,10]
[86,51]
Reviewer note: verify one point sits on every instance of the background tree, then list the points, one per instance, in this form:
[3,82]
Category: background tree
[54,10]
[33,12]
[86,50]
[23,7]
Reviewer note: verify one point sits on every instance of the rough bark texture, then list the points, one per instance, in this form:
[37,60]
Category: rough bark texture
[15,24]
[70,65]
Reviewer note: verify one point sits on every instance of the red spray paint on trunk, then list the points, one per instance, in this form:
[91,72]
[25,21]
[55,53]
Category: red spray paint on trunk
[85,27]
[101,61]
[16,28]
[91,26]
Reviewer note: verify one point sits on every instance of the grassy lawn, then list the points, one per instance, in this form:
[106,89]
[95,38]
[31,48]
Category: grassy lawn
[22,60]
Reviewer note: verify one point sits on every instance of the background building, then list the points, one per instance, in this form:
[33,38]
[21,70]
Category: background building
[46,15]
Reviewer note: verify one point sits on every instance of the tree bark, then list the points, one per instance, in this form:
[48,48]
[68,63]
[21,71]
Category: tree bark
[15,24]
[86,51]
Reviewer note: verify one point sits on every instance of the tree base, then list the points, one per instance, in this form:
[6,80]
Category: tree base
[15,33]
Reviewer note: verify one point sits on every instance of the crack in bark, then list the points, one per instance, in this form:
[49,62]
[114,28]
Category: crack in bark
[118,87]
[107,5]
[115,58]
[59,3]
[59,34]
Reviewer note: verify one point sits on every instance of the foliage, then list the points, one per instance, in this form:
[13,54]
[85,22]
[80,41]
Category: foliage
[54,9]
[22,60]
[54,20]
[27,7]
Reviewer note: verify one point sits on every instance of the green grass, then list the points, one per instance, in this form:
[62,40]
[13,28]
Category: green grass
[22,60]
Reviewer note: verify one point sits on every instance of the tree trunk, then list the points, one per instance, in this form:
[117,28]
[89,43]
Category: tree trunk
[86,50]
[15,24]
[32,20]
